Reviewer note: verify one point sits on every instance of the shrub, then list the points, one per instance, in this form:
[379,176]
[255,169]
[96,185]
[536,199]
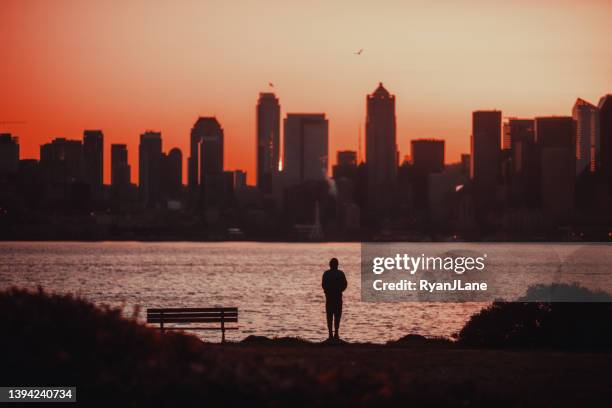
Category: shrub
[578,326]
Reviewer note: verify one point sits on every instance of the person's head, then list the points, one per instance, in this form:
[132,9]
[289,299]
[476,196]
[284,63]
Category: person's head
[333,263]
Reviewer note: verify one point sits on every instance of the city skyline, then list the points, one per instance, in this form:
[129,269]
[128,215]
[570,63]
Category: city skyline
[138,76]
[103,168]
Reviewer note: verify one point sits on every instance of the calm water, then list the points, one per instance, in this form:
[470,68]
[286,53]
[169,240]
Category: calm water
[275,285]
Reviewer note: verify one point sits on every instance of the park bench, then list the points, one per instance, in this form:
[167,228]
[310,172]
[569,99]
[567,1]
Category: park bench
[186,316]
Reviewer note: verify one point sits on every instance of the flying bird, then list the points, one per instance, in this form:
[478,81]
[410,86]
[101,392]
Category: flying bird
[359,52]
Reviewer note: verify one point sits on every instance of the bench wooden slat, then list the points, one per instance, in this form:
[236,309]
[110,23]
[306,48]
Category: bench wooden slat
[195,328]
[186,315]
[193,320]
[192,309]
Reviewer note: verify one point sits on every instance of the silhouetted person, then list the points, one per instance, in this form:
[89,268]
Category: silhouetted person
[333,283]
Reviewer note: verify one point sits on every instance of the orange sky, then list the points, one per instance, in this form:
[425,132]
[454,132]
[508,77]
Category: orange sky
[127,66]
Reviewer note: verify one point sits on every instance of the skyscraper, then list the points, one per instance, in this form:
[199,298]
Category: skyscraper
[381,148]
[208,184]
[555,137]
[305,153]
[586,116]
[526,160]
[149,168]
[120,168]
[9,154]
[346,164]
[427,158]
[555,131]
[485,151]
[605,136]
[518,130]
[506,136]
[172,173]
[206,151]
[268,141]
[93,156]
[62,160]
[120,174]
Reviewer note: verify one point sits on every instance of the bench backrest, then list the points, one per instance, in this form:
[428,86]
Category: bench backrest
[193,315]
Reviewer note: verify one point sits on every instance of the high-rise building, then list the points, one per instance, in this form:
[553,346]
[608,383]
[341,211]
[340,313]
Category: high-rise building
[149,168]
[381,148]
[427,155]
[427,158]
[62,160]
[518,130]
[586,116]
[555,138]
[465,163]
[555,131]
[268,141]
[172,174]
[485,166]
[120,168]
[305,152]
[605,136]
[9,154]
[506,136]
[526,161]
[93,157]
[206,151]
[120,174]
[346,164]
[206,179]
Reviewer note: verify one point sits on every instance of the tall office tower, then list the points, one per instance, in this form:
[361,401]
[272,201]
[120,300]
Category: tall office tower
[62,160]
[149,168]
[485,165]
[172,173]
[346,164]
[206,151]
[605,136]
[268,141]
[381,148]
[427,158]
[525,180]
[586,116]
[93,159]
[521,130]
[9,154]
[506,136]
[555,131]
[120,168]
[555,137]
[305,153]
[428,155]
[465,163]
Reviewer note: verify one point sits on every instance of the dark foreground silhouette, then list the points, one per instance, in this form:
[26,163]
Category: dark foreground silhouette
[537,325]
[333,283]
[60,340]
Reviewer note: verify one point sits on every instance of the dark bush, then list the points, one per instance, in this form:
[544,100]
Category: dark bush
[563,325]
